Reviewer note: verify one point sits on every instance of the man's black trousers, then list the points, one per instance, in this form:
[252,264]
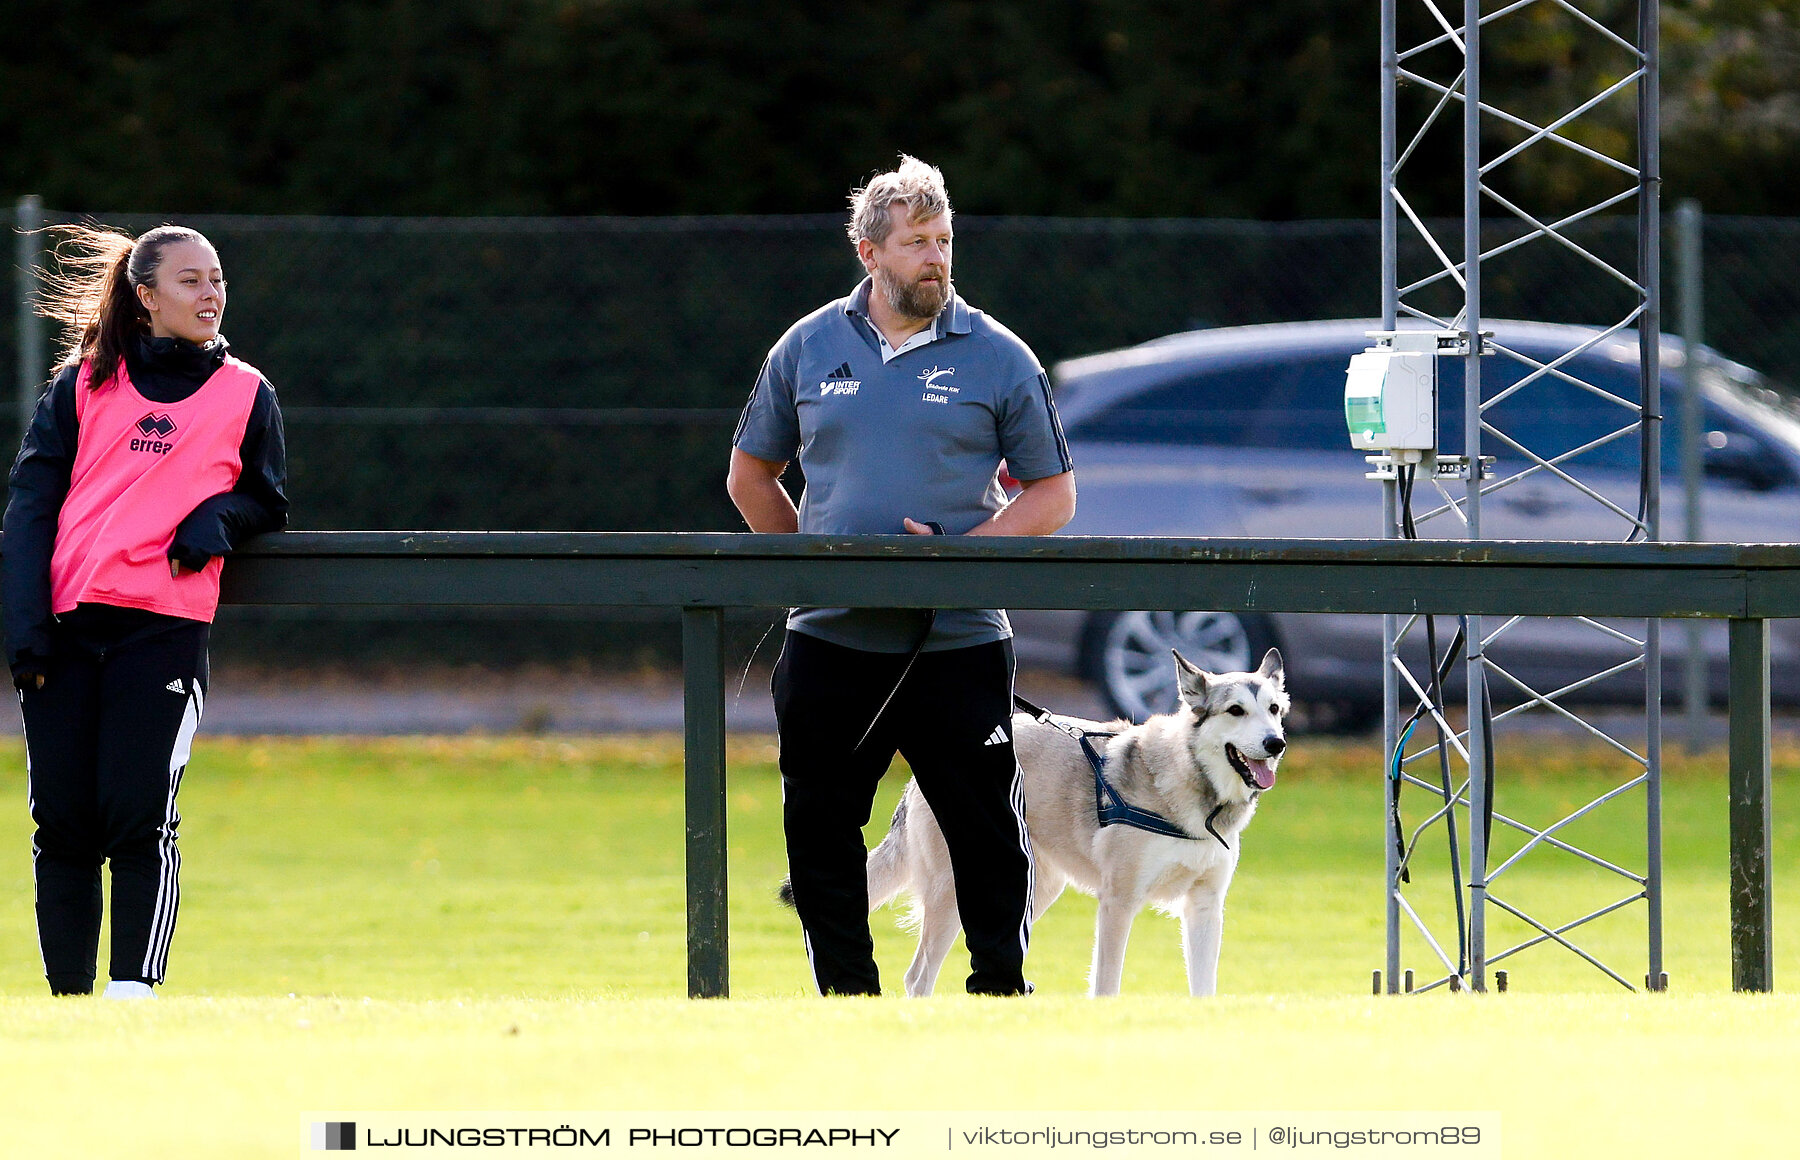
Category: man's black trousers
[107,739]
[952,720]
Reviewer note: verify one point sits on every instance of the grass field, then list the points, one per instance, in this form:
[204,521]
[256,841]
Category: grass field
[497,924]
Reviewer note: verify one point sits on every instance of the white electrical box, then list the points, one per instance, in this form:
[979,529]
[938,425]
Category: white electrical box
[1390,393]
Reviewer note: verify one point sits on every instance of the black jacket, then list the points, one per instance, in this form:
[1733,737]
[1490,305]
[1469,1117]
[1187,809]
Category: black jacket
[164,370]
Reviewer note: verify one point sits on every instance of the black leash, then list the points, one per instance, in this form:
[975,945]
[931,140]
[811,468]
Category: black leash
[1111,808]
[918,647]
[744,676]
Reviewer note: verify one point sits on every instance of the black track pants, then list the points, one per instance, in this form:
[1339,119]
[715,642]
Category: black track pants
[952,721]
[107,738]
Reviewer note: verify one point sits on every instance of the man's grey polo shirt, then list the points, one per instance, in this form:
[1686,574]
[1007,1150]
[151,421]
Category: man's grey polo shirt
[921,436]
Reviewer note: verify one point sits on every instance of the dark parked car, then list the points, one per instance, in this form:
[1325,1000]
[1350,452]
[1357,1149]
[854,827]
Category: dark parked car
[1240,432]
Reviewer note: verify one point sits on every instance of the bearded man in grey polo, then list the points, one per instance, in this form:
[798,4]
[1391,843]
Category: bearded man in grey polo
[901,402]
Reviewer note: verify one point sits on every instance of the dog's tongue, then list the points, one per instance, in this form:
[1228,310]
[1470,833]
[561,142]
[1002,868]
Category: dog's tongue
[1262,771]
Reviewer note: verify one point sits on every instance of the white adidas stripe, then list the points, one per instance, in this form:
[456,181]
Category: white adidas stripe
[1016,797]
[168,887]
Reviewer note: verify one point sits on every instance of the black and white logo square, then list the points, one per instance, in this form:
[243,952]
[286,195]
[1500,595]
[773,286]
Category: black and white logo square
[334,1137]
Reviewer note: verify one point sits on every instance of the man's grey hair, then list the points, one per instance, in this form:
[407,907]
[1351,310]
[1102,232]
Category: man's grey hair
[917,186]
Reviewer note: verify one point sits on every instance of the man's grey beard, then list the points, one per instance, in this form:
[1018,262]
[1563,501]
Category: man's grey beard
[912,300]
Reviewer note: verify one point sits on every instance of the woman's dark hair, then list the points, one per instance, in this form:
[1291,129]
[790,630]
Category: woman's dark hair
[90,288]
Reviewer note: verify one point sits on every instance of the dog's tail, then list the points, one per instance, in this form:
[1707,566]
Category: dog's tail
[887,864]
[888,874]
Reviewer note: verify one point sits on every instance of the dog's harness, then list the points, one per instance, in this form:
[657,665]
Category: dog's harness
[1109,807]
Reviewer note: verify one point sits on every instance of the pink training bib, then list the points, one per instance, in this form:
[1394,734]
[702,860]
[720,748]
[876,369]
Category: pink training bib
[140,468]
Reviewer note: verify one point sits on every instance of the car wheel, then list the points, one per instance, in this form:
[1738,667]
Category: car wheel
[1127,653]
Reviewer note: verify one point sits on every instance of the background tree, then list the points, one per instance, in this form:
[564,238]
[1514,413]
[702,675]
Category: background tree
[675,106]
[1232,108]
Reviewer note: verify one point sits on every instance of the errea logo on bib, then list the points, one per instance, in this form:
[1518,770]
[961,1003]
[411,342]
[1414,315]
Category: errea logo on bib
[156,429]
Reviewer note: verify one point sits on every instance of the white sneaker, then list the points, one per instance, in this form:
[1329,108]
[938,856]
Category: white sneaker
[127,989]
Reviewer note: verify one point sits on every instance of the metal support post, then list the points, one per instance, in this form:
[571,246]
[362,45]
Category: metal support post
[1471,271]
[1689,259]
[1649,329]
[1390,523]
[1471,325]
[1650,375]
[1649,151]
[1649,94]
[1655,978]
[1390,223]
[703,675]
[1752,951]
[1479,808]
[33,366]
[1390,742]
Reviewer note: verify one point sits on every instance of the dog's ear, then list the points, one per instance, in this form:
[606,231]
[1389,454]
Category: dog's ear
[1271,667]
[1190,679]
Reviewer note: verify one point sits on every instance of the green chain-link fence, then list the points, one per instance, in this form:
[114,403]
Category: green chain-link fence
[583,374]
[654,330]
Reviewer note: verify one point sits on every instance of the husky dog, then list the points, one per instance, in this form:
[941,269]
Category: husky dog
[1201,768]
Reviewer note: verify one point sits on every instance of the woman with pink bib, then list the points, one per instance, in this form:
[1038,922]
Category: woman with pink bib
[154,452]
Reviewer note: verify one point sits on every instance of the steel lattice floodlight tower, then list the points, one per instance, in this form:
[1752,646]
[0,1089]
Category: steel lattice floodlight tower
[1436,68]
